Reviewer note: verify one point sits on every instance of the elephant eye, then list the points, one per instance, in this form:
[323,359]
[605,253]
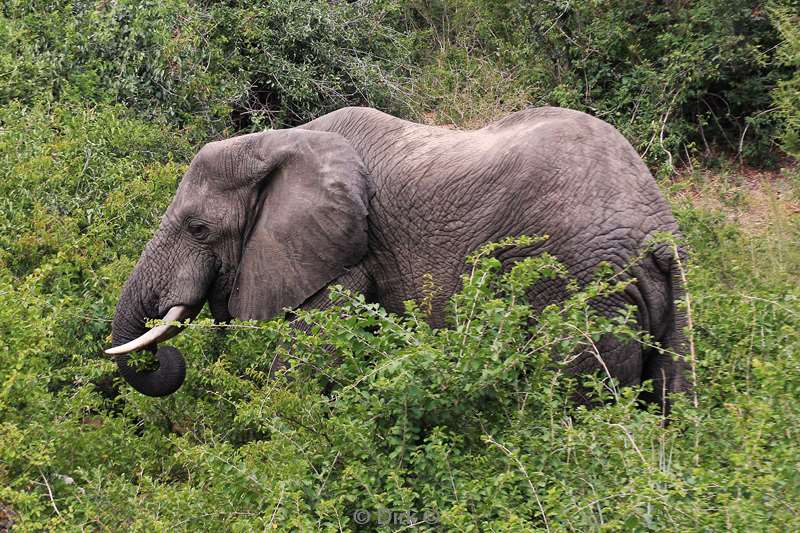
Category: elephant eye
[197,229]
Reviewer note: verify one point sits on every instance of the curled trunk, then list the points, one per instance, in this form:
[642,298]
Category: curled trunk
[163,381]
[129,325]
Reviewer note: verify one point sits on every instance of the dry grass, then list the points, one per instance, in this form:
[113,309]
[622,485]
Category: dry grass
[762,206]
[754,199]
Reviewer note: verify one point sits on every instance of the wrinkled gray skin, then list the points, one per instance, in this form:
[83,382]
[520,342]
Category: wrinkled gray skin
[359,198]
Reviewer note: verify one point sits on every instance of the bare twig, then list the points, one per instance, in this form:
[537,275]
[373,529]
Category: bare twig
[661,136]
[689,324]
[50,493]
[522,469]
[765,300]
[747,125]
[277,506]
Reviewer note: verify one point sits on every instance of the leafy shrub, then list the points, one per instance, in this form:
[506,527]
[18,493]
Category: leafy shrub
[680,82]
[159,58]
[204,65]
[787,94]
[72,174]
[677,79]
[303,59]
[469,426]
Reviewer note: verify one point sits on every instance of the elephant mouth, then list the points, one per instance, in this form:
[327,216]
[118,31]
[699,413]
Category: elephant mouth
[161,333]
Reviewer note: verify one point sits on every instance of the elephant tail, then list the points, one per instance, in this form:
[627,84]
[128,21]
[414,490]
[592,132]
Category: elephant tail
[667,366]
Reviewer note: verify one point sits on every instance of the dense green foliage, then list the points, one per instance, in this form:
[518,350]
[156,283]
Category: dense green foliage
[202,65]
[787,95]
[102,104]
[680,80]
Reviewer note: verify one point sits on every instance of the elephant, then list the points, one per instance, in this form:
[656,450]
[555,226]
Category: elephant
[265,222]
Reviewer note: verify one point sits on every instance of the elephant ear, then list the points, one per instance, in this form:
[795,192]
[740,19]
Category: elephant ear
[309,220]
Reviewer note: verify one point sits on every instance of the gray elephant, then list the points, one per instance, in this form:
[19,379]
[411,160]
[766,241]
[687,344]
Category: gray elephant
[266,221]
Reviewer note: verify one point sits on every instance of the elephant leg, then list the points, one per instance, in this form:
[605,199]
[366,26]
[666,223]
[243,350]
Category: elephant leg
[614,359]
[668,371]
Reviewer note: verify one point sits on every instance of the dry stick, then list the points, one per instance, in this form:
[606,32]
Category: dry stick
[689,324]
[596,353]
[50,493]
[744,131]
[216,513]
[277,506]
[765,300]
[330,470]
[527,477]
[688,157]
[661,135]
[703,137]
[633,443]
[716,119]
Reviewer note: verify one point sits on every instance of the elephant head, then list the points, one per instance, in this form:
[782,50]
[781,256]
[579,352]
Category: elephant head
[259,223]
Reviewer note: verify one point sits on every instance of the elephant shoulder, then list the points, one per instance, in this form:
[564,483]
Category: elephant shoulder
[555,123]
[566,136]
[530,116]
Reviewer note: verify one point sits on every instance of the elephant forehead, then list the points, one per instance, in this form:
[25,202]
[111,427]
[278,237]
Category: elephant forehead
[193,186]
[220,161]
[200,196]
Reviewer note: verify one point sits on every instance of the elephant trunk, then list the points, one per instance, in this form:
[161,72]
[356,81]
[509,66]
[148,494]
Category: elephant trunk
[128,326]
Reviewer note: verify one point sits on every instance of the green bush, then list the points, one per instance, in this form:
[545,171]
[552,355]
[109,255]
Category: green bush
[303,59]
[76,175]
[679,80]
[787,94]
[160,59]
[206,66]
[472,426]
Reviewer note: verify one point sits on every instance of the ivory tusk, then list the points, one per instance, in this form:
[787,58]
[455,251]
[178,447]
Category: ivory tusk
[158,334]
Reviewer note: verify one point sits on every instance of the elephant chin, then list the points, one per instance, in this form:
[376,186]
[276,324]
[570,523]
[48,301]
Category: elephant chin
[163,381]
